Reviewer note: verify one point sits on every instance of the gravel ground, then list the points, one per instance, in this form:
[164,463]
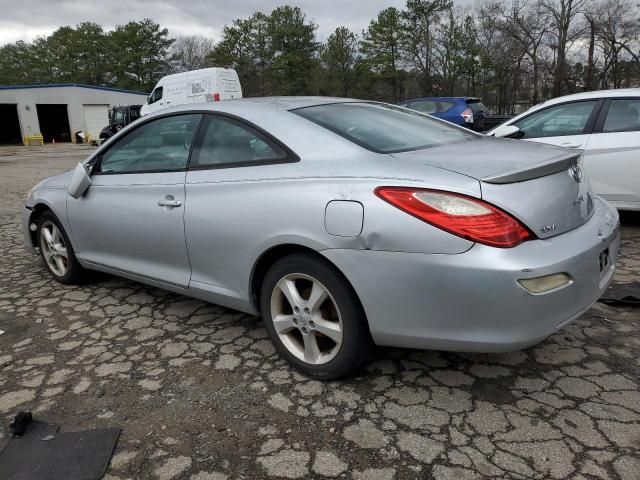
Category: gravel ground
[200,394]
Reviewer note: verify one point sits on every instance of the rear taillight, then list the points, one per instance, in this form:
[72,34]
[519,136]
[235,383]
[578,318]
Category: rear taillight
[216,97]
[467,115]
[460,215]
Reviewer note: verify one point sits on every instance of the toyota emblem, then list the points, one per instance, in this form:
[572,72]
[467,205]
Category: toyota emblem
[576,172]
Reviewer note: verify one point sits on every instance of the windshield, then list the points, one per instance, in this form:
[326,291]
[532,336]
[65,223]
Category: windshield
[383,128]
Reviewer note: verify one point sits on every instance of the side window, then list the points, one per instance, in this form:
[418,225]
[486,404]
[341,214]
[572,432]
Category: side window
[425,106]
[623,116]
[445,106]
[134,114]
[156,95]
[566,119]
[159,145]
[227,142]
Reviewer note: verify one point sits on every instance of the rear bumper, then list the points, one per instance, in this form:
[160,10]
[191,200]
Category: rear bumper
[473,301]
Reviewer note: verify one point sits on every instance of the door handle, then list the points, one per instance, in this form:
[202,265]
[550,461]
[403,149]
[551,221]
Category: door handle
[571,145]
[169,202]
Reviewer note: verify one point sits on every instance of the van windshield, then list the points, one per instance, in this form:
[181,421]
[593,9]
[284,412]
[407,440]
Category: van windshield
[383,128]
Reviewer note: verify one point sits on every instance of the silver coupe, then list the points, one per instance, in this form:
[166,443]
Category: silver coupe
[343,223]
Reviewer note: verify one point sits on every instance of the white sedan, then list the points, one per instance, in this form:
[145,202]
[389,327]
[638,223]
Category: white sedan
[605,124]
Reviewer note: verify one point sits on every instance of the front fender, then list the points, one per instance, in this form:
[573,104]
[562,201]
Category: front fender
[54,199]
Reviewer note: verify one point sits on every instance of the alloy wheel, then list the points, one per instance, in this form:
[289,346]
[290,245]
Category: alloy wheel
[306,318]
[54,249]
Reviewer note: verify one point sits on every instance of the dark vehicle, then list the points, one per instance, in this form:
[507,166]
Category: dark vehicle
[120,117]
[464,111]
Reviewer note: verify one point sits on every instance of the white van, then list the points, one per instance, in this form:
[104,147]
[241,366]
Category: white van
[197,86]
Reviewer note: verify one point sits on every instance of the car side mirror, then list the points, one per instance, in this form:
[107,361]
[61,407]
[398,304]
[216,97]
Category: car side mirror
[148,100]
[507,131]
[80,181]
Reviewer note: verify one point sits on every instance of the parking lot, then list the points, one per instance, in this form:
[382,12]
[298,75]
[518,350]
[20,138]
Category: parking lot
[199,392]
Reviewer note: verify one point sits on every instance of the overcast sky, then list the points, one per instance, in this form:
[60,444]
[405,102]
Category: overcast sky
[26,19]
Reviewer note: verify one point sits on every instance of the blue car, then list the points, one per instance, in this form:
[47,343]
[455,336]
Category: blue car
[464,111]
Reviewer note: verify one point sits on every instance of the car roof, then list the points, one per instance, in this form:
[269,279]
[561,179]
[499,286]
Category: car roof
[443,98]
[293,102]
[242,106]
[200,71]
[620,92]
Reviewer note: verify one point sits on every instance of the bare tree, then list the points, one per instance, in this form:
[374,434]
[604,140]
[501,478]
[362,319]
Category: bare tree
[563,15]
[617,31]
[453,50]
[190,52]
[528,27]
[591,13]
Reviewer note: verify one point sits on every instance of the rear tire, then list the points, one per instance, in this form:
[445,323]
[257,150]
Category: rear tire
[320,327]
[56,251]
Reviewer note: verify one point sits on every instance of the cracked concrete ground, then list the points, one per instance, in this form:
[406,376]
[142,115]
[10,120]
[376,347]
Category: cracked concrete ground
[200,393]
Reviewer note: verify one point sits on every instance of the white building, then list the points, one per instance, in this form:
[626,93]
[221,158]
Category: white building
[58,111]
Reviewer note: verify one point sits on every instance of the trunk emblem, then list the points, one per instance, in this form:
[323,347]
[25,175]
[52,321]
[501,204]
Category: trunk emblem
[576,172]
[548,228]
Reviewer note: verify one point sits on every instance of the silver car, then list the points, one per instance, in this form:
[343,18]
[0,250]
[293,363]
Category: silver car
[342,223]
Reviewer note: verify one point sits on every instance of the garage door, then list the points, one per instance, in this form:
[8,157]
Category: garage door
[9,124]
[96,117]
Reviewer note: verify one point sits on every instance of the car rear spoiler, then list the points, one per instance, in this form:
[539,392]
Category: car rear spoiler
[548,167]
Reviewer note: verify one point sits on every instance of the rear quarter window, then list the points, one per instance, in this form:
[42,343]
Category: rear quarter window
[623,116]
[383,128]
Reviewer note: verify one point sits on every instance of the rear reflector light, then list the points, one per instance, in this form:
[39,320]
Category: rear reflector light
[545,284]
[460,215]
[467,115]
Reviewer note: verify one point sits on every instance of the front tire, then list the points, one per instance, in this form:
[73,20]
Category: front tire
[56,251]
[313,317]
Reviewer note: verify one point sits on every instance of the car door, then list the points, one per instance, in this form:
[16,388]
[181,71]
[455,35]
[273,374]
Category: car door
[612,158]
[566,125]
[131,218]
[227,183]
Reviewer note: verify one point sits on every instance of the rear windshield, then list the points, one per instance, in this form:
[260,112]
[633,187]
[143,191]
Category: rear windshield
[476,106]
[383,128]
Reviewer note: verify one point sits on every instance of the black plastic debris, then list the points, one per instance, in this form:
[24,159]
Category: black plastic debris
[20,422]
[622,295]
[42,452]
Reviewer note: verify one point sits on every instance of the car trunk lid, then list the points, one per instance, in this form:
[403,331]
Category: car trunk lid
[541,186]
